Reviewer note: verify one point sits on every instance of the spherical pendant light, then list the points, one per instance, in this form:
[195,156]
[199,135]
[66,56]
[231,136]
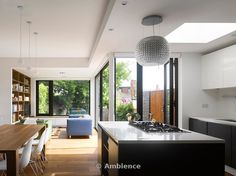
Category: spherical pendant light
[153,50]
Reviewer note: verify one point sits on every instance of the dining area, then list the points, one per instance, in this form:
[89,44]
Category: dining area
[22,145]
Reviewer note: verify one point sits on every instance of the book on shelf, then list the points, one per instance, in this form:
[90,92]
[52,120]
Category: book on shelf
[20,98]
[20,107]
[26,81]
[20,88]
[27,89]
[26,99]
[15,87]
[14,108]
[15,99]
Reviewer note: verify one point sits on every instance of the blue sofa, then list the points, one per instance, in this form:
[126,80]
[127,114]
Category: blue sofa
[79,126]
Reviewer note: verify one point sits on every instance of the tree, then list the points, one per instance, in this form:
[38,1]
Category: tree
[71,93]
[122,74]
[43,98]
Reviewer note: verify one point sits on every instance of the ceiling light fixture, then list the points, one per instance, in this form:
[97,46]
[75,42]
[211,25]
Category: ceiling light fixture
[153,50]
[20,60]
[124,3]
[29,63]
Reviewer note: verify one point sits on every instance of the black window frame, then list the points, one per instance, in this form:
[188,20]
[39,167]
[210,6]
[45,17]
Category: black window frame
[51,97]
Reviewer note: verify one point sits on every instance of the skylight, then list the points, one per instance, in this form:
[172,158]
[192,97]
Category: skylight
[200,32]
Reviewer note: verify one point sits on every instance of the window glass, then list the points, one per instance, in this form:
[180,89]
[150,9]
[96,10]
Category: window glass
[63,97]
[70,97]
[126,94]
[43,101]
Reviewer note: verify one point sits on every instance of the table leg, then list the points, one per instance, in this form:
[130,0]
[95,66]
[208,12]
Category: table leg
[12,163]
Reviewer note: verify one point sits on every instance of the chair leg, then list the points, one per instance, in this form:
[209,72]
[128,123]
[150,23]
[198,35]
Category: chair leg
[33,169]
[22,173]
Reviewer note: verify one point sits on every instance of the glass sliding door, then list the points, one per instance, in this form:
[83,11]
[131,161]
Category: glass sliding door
[125,87]
[105,93]
[97,99]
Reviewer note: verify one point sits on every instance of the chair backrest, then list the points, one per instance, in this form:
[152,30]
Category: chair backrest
[26,154]
[41,142]
[47,133]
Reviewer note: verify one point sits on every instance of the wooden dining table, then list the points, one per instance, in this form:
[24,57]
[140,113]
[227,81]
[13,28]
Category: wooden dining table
[12,138]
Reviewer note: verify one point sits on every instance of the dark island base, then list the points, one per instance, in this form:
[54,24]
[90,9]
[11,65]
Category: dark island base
[170,159]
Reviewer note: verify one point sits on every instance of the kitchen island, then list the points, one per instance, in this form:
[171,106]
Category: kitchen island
[125,150]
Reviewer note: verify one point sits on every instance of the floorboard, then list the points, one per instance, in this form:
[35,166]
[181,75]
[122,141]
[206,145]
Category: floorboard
[70,157]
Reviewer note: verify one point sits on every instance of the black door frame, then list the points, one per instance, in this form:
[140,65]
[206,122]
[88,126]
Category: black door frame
[100,93]
[173,91]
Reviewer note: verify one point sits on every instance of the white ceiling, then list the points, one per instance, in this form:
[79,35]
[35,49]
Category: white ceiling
[66,28]
[79,28]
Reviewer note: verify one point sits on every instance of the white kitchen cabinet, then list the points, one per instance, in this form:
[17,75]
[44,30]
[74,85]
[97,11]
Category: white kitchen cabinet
[212,71]
[219,69]
[229,67]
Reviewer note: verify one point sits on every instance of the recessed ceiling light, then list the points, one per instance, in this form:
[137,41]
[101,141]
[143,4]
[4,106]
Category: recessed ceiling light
[200,32]
[124,2]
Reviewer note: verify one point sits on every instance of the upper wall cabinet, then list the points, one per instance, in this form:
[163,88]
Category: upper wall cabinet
[219,69]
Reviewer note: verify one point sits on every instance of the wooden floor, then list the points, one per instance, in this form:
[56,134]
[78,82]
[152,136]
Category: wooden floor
[70,157]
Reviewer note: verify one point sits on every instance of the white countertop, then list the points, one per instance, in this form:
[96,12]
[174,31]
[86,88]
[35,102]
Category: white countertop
[122,132]
[219,120]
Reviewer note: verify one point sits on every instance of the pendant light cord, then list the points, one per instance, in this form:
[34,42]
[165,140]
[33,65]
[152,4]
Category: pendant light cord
[20,30]
[36,49]
[29,23]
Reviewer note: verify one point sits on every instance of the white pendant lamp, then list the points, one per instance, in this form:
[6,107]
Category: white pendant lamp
[153,50]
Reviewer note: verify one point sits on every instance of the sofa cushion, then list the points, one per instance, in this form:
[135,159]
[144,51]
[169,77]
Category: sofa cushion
[79,126]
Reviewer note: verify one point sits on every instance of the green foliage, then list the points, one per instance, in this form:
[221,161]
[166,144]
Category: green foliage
[122,74]
[122,110]
[43,98]
[71,93]
[105,87]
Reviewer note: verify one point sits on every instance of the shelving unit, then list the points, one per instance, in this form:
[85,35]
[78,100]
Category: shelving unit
[21,96]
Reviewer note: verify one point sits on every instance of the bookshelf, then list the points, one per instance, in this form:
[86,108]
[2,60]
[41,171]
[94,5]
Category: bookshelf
[21,96]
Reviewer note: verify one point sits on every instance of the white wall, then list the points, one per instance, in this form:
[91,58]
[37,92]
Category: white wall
[193,101]
[6,65]
[226,103]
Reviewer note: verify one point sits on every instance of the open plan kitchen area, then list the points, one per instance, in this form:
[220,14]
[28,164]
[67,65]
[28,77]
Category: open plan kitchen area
[117,88]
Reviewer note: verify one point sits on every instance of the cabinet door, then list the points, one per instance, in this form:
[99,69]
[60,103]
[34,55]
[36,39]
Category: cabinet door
[234,147]
[230,69]
[222,132]
[113,157]
[212,70]
[99,145]
[198,126]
